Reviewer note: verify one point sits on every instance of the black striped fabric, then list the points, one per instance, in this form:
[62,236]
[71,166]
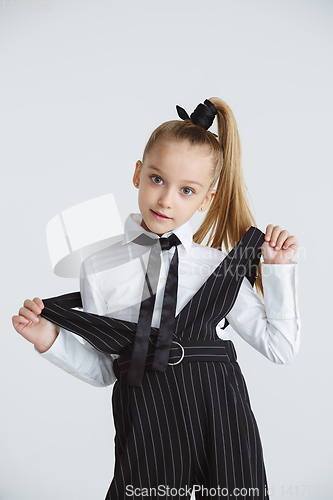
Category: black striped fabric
[193,423]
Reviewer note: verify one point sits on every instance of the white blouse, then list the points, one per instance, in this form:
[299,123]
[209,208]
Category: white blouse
[111,284]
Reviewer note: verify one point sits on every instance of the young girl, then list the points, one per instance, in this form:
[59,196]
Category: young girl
[155,306]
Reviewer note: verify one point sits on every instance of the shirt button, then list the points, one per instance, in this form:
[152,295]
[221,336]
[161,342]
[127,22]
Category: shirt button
[163,280]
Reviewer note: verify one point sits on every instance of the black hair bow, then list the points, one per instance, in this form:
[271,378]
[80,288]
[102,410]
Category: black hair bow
[203,115]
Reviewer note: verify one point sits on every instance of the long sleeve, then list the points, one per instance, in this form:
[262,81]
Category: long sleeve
[273,327]
[78,358]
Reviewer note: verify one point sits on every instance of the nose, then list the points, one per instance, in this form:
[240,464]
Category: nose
[166,198]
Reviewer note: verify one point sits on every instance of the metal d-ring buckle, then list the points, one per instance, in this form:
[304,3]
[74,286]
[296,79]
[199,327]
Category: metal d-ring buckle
[183,353]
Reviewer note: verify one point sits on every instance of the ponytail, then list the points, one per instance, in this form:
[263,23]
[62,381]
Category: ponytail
[229,213]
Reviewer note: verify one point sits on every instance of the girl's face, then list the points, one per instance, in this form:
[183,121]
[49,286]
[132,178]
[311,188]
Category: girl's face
[173,181]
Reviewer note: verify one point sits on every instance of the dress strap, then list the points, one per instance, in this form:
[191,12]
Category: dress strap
[106,334]
[250,245]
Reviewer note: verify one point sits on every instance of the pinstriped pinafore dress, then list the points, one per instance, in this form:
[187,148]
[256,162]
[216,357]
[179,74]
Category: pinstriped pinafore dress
[193,423]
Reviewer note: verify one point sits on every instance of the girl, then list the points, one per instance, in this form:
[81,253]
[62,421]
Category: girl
[155,306]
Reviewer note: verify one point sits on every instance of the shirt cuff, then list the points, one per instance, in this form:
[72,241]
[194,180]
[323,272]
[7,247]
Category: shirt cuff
[280,282]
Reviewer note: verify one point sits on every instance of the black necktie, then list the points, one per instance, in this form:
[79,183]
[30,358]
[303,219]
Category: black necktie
[163,344]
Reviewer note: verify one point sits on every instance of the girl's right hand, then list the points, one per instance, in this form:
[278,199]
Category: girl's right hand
[36,329]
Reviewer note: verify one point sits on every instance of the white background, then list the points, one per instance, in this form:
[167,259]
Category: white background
[82,86]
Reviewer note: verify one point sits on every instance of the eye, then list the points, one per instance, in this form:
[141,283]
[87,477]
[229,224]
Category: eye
[191,191]
[155,177]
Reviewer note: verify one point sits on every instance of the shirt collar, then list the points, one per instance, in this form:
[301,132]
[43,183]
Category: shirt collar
[132,229]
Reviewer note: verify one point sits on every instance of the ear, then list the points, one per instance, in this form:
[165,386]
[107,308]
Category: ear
[137,172]
[207,200]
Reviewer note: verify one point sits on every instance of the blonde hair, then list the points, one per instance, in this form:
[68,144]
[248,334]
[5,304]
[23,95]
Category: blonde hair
[229,213]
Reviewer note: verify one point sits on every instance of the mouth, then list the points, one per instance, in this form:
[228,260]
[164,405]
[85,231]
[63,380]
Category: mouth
[159,215]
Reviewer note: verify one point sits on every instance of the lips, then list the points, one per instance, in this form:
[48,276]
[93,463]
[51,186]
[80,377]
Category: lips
[160,214]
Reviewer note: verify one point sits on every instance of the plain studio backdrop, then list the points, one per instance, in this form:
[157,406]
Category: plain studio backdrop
[83,84]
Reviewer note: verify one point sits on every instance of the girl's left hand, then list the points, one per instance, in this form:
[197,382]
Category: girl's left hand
[279,246]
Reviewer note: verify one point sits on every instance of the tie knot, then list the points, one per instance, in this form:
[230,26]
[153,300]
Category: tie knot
[170,241]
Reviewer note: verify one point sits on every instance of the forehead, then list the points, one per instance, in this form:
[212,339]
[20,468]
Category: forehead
[181,161]
[182,150]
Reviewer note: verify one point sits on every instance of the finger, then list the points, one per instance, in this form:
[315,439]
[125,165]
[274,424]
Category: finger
[39,302]
[274,236]
[291,240]
[16,320]
[281,239]
[269,230]
[31,304]
[27,313]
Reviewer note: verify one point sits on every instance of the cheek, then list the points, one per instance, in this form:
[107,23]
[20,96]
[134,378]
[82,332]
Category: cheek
[145,194]
[147,188]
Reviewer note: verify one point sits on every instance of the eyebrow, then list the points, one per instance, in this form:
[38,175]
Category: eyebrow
[189,182]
